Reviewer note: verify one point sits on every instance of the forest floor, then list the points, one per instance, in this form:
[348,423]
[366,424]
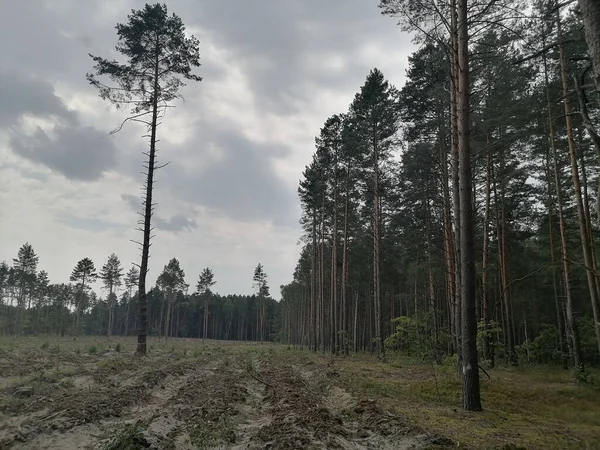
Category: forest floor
[90,393]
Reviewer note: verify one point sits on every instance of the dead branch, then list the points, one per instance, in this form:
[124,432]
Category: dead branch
[261,381]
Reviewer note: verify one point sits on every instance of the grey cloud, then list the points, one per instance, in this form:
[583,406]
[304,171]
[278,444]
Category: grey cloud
[81,153]
[21,94]
[89,224]
[273,41]
[241,185]
[133,201]
[178,222]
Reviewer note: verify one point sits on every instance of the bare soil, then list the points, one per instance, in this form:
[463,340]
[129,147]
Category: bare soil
[186,395]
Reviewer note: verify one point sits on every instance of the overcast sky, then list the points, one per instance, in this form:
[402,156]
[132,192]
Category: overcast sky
[273,71]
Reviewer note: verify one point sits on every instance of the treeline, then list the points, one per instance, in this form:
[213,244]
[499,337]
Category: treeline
[30,304]
[383,226]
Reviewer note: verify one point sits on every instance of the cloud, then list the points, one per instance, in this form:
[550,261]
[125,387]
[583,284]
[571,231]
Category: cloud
[273,72]
[21,94]
[240,183]
[81,153]
[175,224]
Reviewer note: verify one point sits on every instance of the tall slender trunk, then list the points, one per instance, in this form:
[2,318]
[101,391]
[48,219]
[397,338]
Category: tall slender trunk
[557,301]
[454,142]
[488,350]
[141,343]
[470,364]
[313,285]
[205,317]
[573,332]
[376,251]
[448,242]
[503,258]
[344,293]
[334,278]
[355,328]
[583,231]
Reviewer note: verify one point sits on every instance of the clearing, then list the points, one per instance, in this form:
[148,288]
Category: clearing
[89,393]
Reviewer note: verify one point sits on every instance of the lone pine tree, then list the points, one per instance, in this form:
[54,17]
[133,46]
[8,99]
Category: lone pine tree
[159,56]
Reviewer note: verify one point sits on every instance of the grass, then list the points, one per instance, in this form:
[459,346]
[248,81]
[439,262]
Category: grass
[533,407]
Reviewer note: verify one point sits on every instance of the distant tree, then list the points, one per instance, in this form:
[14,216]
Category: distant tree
[262,291]
[4,288]
[171,281]
[205,281]
[131,281]
[25,268]
[159,55]
[84,272]
[110,275]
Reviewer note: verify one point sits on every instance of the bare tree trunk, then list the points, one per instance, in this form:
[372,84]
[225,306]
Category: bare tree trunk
[141,344]
[503,259]
[313,286]
[454,141]
[585,243]
[557,301]
[355,331]
[572,331]
[590,14]
[205,317]
[470,364]
[488,350]
[344,293]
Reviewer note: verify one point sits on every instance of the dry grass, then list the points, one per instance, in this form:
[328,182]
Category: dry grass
[529,408]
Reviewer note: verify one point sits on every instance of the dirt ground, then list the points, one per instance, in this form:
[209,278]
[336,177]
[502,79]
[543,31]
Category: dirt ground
[92,394]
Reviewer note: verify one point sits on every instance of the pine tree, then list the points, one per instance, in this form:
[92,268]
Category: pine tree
[111,274]
[262,292]
[159,56]
[25,269]
[171,281]
[375,115]
[205,281]
[131,281]
[84,273]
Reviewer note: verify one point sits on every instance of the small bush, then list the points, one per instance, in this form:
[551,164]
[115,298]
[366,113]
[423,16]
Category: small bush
[45,345]
[92,350]
[118,348]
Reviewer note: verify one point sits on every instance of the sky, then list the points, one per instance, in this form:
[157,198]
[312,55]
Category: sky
[273,72]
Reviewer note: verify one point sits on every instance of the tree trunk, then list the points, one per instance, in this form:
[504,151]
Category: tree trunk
[572,329]
[585,243]
[488,351]
[590,14]
[313,286]
[376,252]
[454,141]
[355,330]
[557,301]
[141,343]
[470,364]
[344,293]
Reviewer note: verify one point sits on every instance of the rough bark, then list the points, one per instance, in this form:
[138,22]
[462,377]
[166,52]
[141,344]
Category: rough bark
[470,363]
[590,14]
[141,343]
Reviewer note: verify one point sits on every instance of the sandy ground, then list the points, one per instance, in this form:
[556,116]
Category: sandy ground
[189,397]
